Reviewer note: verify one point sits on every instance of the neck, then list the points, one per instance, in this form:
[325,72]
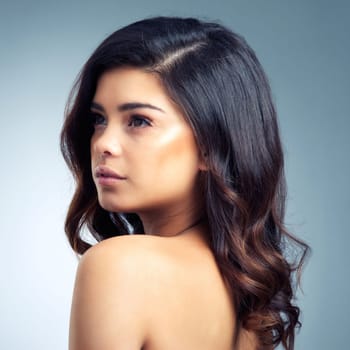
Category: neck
[192,228]
[171,222]
[184,218]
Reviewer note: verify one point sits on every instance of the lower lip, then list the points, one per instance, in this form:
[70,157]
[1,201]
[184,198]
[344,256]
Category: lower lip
[108,181]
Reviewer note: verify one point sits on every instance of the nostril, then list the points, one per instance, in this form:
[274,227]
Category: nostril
[105,154]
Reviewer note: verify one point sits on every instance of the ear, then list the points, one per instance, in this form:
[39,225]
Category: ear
[203,158]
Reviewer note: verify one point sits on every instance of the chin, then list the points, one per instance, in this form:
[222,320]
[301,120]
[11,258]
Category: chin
[112,206]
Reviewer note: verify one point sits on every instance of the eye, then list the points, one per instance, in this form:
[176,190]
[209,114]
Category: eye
[138,121]
[97,119]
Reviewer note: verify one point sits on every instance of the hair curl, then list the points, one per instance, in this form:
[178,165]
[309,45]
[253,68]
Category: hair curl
[215,78]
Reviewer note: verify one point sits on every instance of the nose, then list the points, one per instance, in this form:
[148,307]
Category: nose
[106,143]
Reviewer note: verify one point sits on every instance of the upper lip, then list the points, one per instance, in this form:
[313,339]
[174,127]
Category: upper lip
[103,171]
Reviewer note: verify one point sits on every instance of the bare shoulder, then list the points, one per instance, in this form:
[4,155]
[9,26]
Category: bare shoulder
[111,290]
[141,263]
[127,254]
[124,258]
[124,284]
[121,247]
[124,254]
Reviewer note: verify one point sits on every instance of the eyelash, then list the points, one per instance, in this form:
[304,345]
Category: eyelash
[135,117]
[98,119]
[94,117]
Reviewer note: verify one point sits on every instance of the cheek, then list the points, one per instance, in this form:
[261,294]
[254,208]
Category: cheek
[92,150]
[174,157]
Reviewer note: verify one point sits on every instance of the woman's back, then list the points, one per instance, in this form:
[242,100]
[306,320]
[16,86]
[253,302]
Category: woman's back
[193,309]
[163,292]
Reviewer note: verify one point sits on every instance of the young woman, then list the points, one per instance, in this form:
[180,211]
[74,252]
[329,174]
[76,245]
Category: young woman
[172,138]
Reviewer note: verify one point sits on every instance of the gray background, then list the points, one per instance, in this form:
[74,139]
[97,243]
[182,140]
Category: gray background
[304,47]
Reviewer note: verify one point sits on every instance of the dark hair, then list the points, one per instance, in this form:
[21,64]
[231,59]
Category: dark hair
[215,78]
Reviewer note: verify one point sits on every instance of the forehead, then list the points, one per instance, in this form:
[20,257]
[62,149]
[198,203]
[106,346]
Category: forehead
[134,86]
[127,84]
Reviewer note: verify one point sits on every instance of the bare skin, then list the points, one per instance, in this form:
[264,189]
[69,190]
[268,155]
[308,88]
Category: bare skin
[152,293]
[162,290]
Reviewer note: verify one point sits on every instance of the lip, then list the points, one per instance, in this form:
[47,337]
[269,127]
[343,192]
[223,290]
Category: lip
[106,176]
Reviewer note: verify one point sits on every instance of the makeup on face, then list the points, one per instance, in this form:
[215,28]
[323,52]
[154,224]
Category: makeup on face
[143,152]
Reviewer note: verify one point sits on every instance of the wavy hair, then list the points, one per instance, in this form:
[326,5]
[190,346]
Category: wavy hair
[215,78]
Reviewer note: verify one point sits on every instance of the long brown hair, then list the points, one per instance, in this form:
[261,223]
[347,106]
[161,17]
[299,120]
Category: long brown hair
[215,78]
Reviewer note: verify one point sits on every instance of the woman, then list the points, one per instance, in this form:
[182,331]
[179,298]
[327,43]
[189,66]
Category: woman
[172,138]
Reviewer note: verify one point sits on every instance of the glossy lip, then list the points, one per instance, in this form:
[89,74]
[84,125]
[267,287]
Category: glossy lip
[103,173]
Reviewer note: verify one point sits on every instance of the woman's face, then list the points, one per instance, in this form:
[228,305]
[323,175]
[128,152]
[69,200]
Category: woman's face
[143,153]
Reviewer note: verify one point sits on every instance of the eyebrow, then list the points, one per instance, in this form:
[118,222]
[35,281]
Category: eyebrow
[128,106]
